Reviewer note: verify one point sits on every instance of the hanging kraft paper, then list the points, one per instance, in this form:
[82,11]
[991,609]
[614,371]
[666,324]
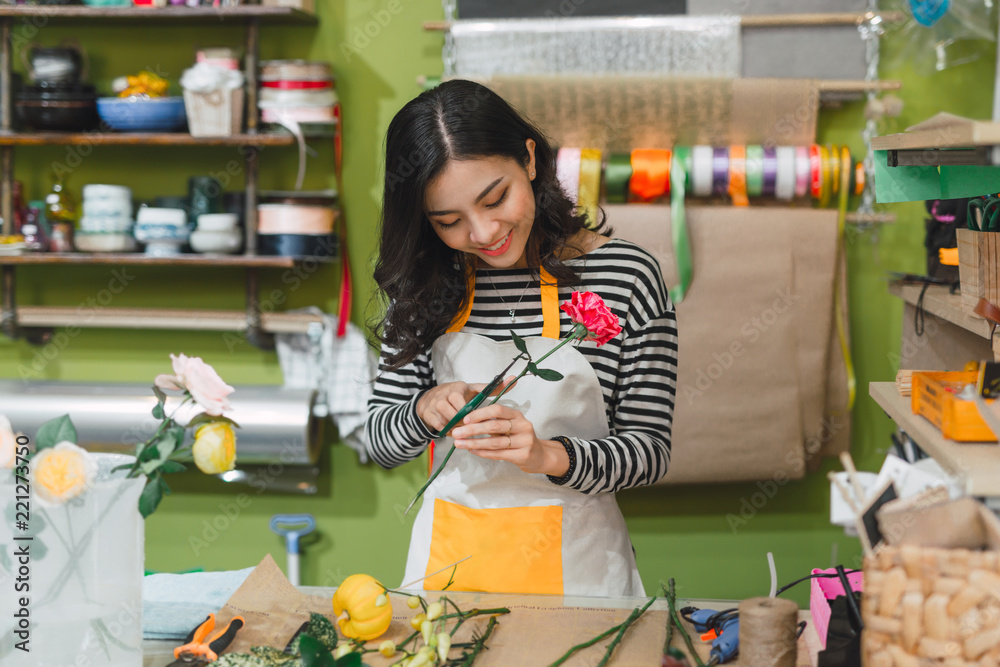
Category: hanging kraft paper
[761,387]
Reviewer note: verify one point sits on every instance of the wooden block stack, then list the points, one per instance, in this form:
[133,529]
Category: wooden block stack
[931,606]
[978,267]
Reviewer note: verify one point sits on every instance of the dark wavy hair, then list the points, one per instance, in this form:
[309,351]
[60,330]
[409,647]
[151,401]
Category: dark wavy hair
[423,279]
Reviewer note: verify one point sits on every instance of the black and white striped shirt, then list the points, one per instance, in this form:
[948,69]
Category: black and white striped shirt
[637,369]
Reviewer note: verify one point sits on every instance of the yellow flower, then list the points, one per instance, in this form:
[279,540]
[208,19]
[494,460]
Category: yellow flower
[61,472]
[214,448]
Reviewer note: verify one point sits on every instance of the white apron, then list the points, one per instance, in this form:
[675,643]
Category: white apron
[524,533]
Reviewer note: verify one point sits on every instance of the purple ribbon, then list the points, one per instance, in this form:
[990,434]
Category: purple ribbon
[770,171]
[720,171]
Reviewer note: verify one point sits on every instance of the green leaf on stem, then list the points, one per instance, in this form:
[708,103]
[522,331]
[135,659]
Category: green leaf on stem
[314,654]
[54,431]
[531,369]
[349,660]
[519,343]
[124,466]
[151,496]
[205,418]
[160,396]
[168,467]
[549,374]
[158,411]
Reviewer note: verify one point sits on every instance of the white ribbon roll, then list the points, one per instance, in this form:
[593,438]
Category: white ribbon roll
[784,184]
[701,171]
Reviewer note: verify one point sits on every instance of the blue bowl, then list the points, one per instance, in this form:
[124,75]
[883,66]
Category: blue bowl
[137,114]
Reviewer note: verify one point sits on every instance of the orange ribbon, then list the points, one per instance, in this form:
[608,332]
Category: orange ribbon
[738,175]
[650,173]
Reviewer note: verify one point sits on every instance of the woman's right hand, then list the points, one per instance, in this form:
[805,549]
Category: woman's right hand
[436,407]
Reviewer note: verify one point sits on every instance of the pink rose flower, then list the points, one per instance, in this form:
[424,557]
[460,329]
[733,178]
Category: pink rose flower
[588,309]
[193,375]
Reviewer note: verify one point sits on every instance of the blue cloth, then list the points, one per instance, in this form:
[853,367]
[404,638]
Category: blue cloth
[174,604]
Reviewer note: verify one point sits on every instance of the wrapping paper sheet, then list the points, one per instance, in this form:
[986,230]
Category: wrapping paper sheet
[761,390]
[620,113]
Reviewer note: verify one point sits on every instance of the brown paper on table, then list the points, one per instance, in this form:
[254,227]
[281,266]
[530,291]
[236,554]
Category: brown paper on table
[537,631]
[272,608]
[760,372]
[621,113]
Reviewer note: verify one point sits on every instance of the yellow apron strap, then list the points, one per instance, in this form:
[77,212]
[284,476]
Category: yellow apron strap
[550,305]
[463,315]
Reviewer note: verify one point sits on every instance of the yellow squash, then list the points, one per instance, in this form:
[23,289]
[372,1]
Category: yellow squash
[356,604]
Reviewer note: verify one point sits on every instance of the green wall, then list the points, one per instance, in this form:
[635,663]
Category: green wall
[677,532]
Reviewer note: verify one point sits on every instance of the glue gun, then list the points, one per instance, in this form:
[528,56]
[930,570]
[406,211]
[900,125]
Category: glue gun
[722,628]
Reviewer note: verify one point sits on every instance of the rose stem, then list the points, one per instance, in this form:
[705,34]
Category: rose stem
[633,617]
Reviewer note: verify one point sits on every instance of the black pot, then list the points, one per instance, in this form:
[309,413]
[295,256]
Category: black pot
[70,108]
[320,246]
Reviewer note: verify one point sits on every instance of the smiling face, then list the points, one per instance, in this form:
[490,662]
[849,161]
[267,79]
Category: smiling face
[484,207]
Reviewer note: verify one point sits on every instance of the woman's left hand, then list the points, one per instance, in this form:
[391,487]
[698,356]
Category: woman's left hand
[502,433]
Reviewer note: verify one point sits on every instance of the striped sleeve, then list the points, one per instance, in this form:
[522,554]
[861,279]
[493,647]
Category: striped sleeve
[395,432]
[640,381]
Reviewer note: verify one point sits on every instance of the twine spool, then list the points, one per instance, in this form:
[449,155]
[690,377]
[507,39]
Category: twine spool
[768,628]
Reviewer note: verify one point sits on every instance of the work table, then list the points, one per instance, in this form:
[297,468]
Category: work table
[540,628]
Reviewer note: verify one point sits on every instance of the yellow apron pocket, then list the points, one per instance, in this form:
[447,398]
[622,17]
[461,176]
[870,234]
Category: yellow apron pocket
[514,550]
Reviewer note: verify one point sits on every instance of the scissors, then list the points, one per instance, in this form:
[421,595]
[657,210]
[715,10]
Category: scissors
[199,648]
[989,208]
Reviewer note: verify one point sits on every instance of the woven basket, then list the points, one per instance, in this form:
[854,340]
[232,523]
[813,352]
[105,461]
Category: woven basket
[927,605]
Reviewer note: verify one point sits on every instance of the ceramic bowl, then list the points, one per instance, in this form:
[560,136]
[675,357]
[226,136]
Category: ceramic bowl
[97,191]
[147,232]
[104,224]
[107,208]
[216,242]
[217,222]
[161,216]
[138,114]
[103,242]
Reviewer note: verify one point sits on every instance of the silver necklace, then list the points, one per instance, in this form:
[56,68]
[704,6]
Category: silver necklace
[505,304]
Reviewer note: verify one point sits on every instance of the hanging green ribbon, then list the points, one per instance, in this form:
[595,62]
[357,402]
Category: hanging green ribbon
[680,164]
[617,174]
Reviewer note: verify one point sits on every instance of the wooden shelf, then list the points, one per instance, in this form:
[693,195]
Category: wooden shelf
[940,302]
[140,259]
[141,139]
[156,318]
[240,14]
[976,465]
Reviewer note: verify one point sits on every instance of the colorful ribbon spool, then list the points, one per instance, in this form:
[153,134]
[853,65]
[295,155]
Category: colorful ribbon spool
[617,174]
[568,172]
[738,175]
[720,171]
[650,173]
[755,170]
[590,184]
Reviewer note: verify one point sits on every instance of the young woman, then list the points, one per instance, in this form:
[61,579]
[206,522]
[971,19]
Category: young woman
[478,240]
